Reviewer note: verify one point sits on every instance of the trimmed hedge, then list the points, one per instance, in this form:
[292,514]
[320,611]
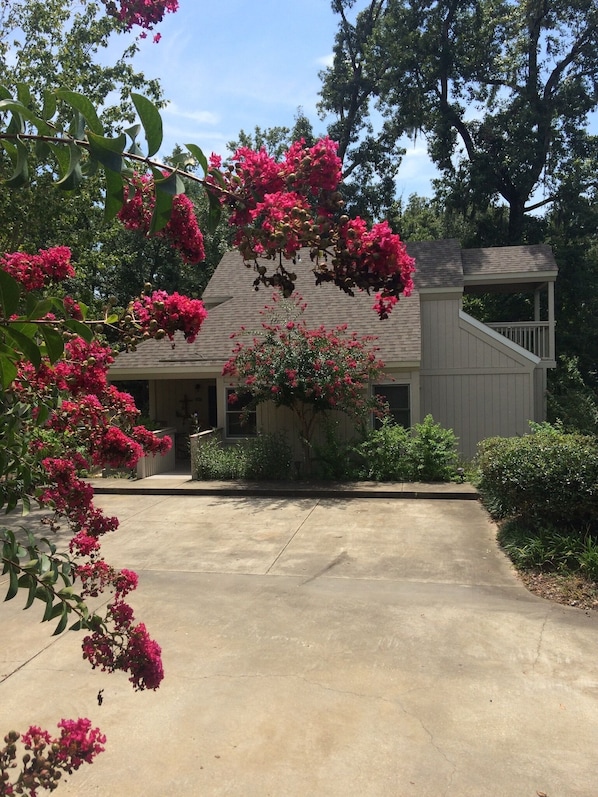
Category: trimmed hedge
[547,478]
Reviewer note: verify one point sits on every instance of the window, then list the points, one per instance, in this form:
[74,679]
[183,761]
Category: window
[236,426]
[397,398]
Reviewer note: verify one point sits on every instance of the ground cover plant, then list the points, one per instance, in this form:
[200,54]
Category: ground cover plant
[542,488]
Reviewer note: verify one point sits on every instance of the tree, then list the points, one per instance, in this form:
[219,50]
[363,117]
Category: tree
[276,140]
[310,371]
[501,90]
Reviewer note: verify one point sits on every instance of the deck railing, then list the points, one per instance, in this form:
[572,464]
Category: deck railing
[158,463]
[531,335]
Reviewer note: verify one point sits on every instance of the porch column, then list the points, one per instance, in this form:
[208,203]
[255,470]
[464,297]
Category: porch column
[551,321]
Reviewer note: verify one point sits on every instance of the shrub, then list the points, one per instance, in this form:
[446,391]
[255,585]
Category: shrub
[434,451]
[547,478]
[428,452]
[264,457]
[570,401]
[333,460]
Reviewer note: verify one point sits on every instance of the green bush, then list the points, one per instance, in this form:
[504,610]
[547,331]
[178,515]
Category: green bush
[434,451]
[548,478]
[264,457]
[570,401]
[333,460]
[428,452]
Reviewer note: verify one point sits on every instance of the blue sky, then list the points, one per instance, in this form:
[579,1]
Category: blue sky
[234,64]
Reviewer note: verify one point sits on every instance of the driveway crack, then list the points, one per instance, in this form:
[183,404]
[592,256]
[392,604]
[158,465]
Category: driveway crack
[292,537]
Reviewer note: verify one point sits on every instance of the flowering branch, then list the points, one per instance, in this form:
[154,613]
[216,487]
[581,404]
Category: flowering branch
[46,758]
[275,207]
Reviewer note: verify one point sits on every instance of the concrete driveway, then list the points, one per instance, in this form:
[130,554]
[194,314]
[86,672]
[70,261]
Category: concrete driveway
[322,647]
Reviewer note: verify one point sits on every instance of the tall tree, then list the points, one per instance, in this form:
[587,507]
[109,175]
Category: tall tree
[500,89]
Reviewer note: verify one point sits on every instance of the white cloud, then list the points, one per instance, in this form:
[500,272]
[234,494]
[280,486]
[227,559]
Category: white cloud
[325,60]
[201,117]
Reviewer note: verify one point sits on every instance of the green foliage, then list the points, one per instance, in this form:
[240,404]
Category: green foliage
[267,457]
[434,451]
[501,91]
[334,459]
[550,549]
[428,452]
[47,576]
[571,402]
[545,479]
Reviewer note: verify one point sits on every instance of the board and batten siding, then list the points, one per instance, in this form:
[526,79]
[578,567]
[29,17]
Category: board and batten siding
[473,380]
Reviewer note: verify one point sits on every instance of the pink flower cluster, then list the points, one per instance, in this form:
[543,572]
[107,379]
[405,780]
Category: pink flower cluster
[129,648]
[273,202]
[34,272]
[142,13]
[169,313]
[182,230]
[47,757]
[280,207]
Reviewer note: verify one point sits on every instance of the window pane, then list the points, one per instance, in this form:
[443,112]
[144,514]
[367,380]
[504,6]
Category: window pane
[397,398]
[235,427]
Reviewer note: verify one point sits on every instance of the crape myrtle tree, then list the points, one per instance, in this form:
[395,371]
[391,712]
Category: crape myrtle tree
[310,371]
[59,415]
[500,89]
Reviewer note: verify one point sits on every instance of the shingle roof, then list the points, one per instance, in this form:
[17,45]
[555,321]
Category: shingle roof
[399,336]
[439,265]
[505,260]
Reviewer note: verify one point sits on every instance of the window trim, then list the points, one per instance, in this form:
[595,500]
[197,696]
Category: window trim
[378,389]
[231,411]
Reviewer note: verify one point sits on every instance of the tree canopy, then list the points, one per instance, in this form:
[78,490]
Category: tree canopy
[500,89]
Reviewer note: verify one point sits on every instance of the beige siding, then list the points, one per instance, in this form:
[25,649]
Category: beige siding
[472,380]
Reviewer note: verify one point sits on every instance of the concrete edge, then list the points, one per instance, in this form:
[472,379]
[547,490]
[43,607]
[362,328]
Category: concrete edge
[445,491]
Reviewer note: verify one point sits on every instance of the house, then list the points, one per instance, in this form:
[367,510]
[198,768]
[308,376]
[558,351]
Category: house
[478,379]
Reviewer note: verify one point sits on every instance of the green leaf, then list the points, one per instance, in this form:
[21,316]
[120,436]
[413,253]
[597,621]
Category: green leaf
[32,593]
[63,620]
[24,94]
[49,107]
[10,291]
[20,175]
[79,328]
[108,151]
[13,585]
[21,112]
[199,156]
[72,176]
[166,189]
[151,121]
[41,307]
[214,213]
[8,372]
[133,131]
[84,106]
[25,345]
[114,195]
[54,342]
